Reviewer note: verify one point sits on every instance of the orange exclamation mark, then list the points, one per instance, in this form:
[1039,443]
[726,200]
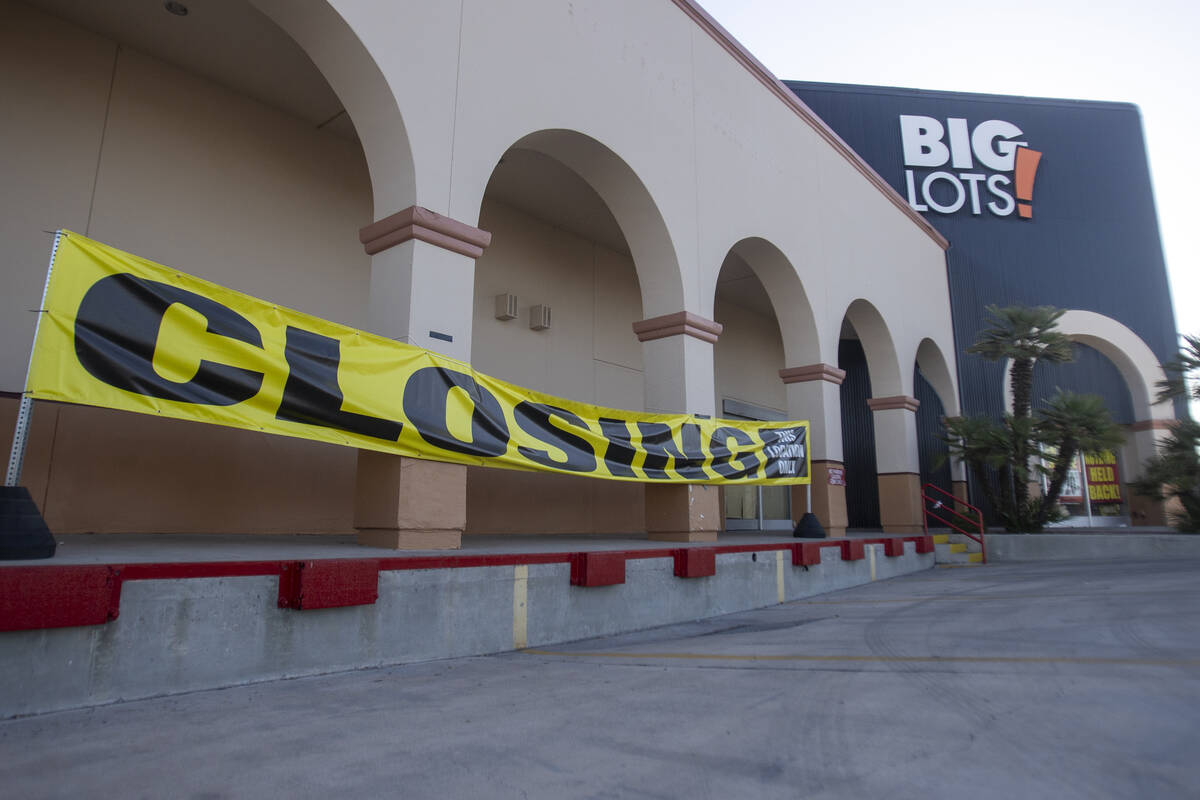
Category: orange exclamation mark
[1027,164]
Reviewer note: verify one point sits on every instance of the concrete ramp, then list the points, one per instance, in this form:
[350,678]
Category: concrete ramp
[82,634]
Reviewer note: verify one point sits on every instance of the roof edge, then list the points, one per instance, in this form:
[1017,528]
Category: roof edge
[776,87]
[992,97]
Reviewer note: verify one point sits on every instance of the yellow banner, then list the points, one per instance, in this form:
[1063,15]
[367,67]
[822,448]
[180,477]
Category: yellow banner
[123,332]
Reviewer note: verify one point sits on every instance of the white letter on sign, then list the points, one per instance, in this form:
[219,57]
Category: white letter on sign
[996,155]
[922,140]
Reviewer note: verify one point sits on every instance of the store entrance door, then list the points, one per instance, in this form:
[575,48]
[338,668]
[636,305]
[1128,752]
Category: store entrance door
[756,508]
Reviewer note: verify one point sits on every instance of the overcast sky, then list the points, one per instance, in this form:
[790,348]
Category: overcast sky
[1142,52]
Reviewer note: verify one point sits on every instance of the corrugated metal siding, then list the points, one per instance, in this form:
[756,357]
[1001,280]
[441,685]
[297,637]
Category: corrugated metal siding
[1090,373]
[1093,242]
[858,438]
[930,447]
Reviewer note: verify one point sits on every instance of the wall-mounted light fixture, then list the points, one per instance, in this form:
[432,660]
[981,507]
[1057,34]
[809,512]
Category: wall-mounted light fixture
[506,306]
[539,317]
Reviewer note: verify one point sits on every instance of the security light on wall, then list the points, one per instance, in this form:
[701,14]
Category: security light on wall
[539,318]
[506,306]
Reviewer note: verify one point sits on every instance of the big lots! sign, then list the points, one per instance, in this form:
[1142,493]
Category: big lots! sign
[989,166]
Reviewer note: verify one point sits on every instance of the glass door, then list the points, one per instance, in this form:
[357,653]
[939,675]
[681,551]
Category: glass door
[756,508]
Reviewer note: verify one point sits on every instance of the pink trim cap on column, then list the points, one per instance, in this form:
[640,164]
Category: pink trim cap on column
[813,372]
[427,226]
[896,401]
[681,322]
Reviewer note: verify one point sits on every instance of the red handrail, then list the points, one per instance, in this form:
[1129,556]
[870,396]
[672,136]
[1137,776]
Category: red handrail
[975,522]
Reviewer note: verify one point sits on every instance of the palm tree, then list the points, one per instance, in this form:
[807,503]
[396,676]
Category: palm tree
[1072,423]
[1002,454]
[990,448]
[1184,367]
[1174,472]
[1025,334]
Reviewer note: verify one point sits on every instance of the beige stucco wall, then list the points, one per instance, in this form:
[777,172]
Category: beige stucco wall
[721,157]
[696,154]
[748,356]
[149,158]
[589,355]
[54,83]
[689,150]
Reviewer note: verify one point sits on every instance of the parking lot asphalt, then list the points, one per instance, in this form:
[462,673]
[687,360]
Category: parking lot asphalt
[1036,680]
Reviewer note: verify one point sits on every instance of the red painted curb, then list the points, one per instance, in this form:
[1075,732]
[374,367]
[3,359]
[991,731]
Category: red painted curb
[335,583]
[49,596]
[695,562]
[853,549]
[598,569]
[33,598]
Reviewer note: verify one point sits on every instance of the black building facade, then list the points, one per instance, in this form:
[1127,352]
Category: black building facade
[1044,202]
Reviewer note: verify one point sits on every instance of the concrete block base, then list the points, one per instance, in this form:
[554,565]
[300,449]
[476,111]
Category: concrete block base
[683,512]
[409,504]
[828,500]
[682,536]
[907,530]
[396,539]
[1080,546]
[900,502]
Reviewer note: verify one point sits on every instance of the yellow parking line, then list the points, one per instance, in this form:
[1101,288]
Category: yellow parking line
[520,609]
[779,576]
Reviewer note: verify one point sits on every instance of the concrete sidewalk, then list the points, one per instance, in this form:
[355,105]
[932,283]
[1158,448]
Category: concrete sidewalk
[1075,545]
[1065,681]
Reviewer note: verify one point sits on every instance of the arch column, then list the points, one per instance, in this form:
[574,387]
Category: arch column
[813,394]
[897,462]
[959,484]
[422,285]
[1142,373]
[1142,441]
[678,355]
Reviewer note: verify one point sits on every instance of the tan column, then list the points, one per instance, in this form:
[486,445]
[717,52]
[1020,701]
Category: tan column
[898,463]
[900,502]
[1141,443]
[409,504]
[683,512]
[813,394]
[422,285]
[828,497]
[678,351]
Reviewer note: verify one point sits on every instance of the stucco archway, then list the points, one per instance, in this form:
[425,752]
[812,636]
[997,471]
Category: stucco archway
[766,323]
[354,76]
[936,370]
[879,434]
[887,379]
[1132,357]
[784,292]
[631,205]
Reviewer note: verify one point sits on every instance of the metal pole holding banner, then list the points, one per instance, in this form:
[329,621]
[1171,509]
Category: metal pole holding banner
[1087,494]
[23,532]
[809,527]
